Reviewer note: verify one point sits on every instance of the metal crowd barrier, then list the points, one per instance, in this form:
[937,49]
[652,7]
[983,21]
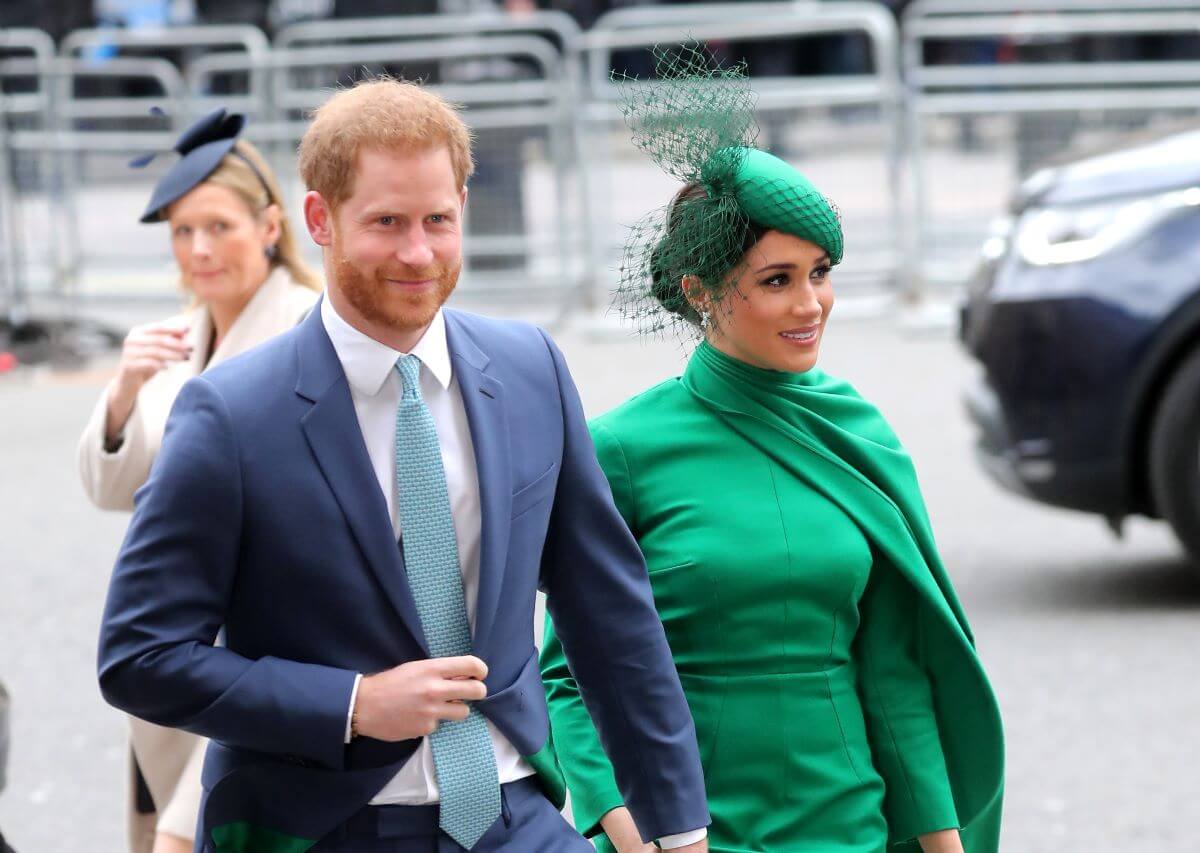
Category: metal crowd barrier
[640,17]
[988,124]
[991,90]
[845,131]
[24,107]
[68,215]
[12,269]
[25,44]
[187,45]
[556,26]
[920,9]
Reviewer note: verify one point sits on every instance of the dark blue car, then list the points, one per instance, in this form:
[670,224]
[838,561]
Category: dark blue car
[1085,316]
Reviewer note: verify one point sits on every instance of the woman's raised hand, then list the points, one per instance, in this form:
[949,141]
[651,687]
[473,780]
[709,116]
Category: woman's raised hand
[147,350]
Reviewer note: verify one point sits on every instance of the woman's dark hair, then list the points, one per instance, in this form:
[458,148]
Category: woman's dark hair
[667,284]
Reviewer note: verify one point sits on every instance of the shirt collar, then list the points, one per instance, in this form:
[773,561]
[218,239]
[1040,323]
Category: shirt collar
[368,363]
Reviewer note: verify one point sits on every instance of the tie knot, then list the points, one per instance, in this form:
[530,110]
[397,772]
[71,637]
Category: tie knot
[409,368]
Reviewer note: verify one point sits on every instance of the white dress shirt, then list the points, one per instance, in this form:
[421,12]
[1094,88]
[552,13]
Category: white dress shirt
[376,388]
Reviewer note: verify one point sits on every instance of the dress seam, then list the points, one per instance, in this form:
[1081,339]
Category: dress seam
[716,738]
[631,492]
[788,546]
[841,729]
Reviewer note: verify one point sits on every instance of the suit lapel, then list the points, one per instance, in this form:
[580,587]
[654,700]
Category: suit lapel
[331,428]
[483,400]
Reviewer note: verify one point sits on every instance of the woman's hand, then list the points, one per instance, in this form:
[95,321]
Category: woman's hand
[147,350]
[946,841]
[618,825]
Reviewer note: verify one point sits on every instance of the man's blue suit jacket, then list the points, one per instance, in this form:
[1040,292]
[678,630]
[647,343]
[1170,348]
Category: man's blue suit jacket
[262,516]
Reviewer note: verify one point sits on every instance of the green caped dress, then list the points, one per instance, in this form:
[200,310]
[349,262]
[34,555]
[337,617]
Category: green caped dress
[838,701]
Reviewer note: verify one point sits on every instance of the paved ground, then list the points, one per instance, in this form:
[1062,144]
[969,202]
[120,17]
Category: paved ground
[1091,642]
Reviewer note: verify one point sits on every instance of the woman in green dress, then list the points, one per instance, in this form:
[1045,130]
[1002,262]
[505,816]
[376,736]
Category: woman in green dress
[839,703]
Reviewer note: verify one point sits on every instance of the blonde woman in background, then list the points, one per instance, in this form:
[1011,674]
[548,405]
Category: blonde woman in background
[238,260]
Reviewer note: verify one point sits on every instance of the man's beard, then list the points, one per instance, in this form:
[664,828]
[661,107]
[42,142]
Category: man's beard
[384,304]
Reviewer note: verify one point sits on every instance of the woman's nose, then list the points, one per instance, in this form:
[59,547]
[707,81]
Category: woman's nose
[807,305]
[201,245]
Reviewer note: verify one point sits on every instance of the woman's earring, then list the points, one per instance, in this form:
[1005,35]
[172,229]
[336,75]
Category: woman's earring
[271,252]
[705,320]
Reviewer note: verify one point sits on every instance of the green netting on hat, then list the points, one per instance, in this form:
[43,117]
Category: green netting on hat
[691,112]
[697,123]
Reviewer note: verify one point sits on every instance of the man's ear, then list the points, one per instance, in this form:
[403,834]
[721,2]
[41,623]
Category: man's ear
[318,218]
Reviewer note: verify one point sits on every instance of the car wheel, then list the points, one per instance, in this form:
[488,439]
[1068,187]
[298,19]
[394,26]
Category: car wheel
[1175,455]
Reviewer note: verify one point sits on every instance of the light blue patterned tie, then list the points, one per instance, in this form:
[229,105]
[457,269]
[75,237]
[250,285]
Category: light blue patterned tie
[462,751]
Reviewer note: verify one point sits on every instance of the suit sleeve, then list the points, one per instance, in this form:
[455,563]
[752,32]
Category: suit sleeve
[588,771]
[898,705]
[598,597]
[169,594]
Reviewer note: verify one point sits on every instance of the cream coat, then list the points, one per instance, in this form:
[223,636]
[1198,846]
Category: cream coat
[171,759]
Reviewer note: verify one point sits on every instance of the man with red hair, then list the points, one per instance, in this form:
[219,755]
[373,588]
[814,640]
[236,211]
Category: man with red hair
[368,505]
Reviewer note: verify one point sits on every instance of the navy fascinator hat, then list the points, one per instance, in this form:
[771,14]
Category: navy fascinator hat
[201,147]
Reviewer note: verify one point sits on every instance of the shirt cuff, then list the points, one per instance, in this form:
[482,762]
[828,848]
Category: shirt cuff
[100,421]
[682,839]
[112,448]
[350,713]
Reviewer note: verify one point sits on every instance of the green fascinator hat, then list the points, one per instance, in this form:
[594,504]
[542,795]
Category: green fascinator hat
[696,122]
[774,194]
